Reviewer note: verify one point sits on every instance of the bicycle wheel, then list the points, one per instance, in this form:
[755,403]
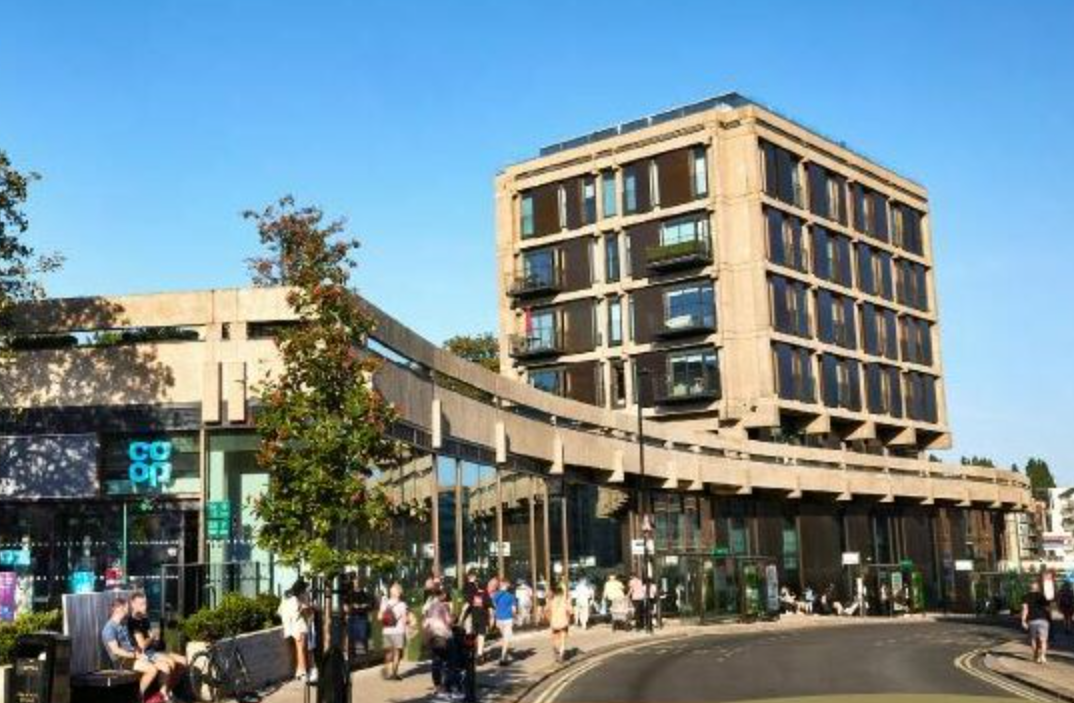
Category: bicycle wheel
[240,675]
[205,676]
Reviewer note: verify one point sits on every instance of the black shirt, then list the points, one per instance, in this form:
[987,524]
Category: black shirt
[1039,608]
[138,625]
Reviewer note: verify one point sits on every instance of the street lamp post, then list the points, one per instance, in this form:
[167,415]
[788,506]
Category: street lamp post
[646,527]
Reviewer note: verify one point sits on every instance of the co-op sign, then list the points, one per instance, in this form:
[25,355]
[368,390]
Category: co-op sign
[151,463]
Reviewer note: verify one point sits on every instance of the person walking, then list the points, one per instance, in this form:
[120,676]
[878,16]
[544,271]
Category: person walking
[1066,605]
[637,598]
[612,592]
[505,605]
[393,620]
[524,595]
[1036,620]
[436,631]
[583,603]
[559,620]
[294,613]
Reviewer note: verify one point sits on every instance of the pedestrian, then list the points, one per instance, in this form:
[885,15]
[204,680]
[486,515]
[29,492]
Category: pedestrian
[637,598]
[524,595]
[1036,620]
[436,632]
[542,603]
[393,620]
[583,602]
[505,605]
[559,620]
[1066,605]
[358,618]
[613,591]
[294,613]
[475,616]
[808,596]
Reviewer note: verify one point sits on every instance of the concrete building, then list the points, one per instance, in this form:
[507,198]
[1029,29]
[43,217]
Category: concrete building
[127,451]
[1057,538]
[757,279]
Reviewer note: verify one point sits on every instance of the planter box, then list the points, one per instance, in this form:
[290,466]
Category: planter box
[7,673]
[267,654]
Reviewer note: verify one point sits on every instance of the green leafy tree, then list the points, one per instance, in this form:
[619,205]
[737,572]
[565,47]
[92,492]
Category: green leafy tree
[483,349]
[322,424]
[978,461]
[20,266]
[1039,475]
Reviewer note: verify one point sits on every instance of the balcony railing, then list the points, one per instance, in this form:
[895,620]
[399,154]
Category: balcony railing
[533,346]
[690,324]
[691,252]
[673,391]
[535,284]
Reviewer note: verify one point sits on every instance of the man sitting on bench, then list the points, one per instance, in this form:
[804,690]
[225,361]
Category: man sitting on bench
[117,642]
[171,665]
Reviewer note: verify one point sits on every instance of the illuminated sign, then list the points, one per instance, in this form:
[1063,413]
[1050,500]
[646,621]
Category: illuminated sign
[150,463]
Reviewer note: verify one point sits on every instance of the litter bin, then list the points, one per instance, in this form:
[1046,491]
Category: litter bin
[42,668]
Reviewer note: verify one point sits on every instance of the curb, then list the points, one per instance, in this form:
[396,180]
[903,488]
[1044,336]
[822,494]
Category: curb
[991,656]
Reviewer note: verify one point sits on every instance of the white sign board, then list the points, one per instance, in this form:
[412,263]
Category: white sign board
[963,564]
[851,558]
[637,547]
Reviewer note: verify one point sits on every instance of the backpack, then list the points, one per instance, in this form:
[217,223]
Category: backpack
[388,618]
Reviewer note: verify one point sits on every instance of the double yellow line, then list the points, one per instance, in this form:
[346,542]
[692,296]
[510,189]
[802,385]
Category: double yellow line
[964,663]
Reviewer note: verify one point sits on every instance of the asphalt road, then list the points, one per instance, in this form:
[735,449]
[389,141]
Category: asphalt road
[883,660]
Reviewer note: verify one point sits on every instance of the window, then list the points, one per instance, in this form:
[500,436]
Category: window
[618,395]
[920,396]
[607,187]
[874,272]
[879,334]
[692,373]
[882,389]
[690,307]
[540,329]
[615,322]
[870,211]
[840,382]
[539,267]
[790,309]
[547,380]
[630,191]
[827,194]
[684,230]
[906,226]
[910,279]
[527,216]
[835,320]
[781,174]
[700,172]
[794,373]
[785,244]
[832,257]
[916,340]
[589,201]
[611,258]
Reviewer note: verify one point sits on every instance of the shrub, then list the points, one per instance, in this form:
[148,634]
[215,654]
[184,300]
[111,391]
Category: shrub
[24,625]
[235,615]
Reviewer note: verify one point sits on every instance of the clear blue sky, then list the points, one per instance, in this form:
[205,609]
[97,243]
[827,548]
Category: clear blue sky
[155,123]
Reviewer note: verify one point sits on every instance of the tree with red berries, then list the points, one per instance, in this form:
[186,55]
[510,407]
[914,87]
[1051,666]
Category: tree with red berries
[323,427]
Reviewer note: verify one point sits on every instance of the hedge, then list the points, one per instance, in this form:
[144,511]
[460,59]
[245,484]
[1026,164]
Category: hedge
[234,615]
[23,625]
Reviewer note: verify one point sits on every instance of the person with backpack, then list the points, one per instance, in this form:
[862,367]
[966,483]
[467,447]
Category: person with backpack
[393,620]
[436,631]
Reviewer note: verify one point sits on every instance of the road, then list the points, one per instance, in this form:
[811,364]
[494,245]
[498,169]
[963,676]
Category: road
[887,661]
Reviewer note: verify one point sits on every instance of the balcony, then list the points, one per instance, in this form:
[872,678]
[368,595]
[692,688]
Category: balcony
[686,325]
[700,389]
[685,254]
[532,285]
[536,346]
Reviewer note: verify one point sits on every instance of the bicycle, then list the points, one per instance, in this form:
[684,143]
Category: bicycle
[222,670]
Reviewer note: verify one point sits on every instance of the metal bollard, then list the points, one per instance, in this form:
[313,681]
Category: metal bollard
[470,690]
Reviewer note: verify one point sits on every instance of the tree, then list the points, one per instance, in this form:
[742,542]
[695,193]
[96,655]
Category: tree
[322,425]
[20,266]
[1039,475]
[978,461]
[483,349]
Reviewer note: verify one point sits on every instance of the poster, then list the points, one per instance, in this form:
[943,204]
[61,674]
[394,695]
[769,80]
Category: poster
[8,584]
[83,581]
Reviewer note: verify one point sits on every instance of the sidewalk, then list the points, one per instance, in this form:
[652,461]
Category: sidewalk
[1015,661]
[533,661]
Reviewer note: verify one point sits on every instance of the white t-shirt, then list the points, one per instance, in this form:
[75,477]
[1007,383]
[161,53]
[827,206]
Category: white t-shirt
[398,609]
